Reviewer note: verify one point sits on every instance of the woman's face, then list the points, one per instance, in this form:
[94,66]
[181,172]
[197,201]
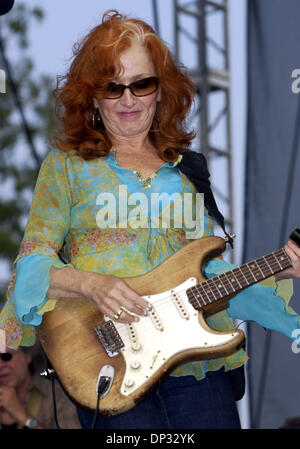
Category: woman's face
[130,116]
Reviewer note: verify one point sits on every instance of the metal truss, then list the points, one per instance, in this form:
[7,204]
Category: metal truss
[201,35]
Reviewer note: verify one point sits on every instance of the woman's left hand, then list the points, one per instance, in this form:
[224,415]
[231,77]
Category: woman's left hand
[293,251]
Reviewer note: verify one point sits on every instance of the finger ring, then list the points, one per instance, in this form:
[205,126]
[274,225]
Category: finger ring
[117,315]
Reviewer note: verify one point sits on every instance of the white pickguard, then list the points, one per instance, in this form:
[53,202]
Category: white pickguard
[172,327]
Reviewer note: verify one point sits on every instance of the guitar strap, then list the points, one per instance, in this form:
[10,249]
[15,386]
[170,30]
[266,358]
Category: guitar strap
[194,166]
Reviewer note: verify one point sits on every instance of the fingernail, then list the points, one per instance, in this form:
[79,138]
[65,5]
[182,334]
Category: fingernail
[136,318]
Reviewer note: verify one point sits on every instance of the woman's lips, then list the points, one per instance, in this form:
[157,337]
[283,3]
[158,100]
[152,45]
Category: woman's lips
[129,113]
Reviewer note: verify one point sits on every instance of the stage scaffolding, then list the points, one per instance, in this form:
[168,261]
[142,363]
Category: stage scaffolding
[201,29]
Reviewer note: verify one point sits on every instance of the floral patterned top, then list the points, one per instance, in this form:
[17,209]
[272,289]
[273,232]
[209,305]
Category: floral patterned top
[107,222]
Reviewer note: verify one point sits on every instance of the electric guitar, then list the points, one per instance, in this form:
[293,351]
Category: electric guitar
[78,340]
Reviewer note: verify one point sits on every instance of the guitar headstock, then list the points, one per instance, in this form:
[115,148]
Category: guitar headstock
[295,236]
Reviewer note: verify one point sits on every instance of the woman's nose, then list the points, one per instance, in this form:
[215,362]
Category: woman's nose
[128,99]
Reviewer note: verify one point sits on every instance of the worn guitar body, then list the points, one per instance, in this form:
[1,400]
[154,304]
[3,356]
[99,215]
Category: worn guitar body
[175,332]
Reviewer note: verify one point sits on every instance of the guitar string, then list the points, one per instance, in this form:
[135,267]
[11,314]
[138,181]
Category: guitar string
[161,305]
[211,283]
[166,302]
[145,326]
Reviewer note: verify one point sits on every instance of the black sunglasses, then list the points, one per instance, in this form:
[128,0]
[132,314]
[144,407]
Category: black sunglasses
[6,356]
[140,88]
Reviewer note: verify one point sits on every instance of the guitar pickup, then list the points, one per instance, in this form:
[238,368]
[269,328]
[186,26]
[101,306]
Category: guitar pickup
[109,338]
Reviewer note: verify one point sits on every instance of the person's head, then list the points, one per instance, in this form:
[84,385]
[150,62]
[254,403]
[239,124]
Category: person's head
[130,102]
[123,50]
[15,367]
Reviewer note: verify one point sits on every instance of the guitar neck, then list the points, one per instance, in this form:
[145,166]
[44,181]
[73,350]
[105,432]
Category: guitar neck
[233,281]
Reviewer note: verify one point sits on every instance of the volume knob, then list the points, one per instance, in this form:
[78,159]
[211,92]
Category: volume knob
[129,383]
[136,346]
[135,364]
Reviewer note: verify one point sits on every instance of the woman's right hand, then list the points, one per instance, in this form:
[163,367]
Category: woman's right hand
[110,294]
[114,297]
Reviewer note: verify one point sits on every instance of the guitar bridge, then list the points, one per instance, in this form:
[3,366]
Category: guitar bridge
[109,338]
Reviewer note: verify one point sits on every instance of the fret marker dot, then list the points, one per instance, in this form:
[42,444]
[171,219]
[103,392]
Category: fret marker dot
[220,286]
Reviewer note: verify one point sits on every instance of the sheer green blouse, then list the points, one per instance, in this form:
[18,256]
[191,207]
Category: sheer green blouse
[107,222]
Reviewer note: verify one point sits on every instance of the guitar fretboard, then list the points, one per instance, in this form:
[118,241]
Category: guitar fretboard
[237,279]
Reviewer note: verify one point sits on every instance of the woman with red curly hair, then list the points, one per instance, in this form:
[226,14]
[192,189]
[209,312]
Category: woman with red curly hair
[97,61]
[95,220]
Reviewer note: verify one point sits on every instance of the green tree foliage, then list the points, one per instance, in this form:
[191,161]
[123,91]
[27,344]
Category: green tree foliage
[20,153]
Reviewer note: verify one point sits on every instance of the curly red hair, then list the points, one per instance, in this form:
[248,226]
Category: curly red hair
[96,62]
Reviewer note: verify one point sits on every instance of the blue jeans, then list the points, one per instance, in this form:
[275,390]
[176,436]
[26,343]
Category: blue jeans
[179,403]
